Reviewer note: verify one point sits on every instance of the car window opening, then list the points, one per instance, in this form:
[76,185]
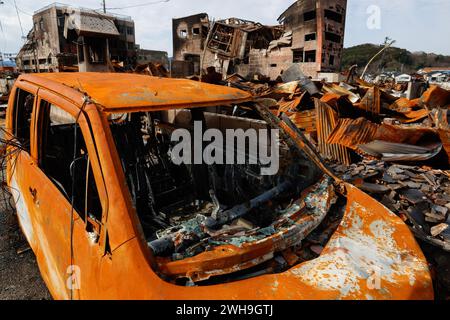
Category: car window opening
[57,161]
[190,211]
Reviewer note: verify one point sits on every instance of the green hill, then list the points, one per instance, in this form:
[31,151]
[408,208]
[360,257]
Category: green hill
[394,59]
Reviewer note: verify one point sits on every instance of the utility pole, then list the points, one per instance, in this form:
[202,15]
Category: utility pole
[104,6]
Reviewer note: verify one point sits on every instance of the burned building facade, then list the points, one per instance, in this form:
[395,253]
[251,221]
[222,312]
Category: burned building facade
[310,33]
[189,38]
[53,46]
[318,28]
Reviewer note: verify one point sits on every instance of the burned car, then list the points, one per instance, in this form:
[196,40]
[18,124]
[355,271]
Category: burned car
[109,214]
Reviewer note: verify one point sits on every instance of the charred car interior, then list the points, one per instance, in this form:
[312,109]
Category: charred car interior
[188,212]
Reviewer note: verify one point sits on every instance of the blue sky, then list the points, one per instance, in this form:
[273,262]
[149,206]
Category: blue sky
[417,25]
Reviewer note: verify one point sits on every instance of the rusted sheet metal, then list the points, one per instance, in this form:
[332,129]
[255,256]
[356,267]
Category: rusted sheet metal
[336,89]
[371,102]
[327,120]
[410,109]
[435,97]
[331,99]
[369,237]
[131,92]
[403,105]
[289,106]
[305,120]
[351,133]
[287,88]
[390,152]
[440,118]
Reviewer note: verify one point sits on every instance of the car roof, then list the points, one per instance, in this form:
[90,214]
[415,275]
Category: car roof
[124,92]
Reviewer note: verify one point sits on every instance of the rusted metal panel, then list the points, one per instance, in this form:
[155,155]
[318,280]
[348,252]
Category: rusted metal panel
[371,102]
[305,120]
[327,120]
[440,117]
[435,97]
[130,92]
[398,152]
[352,133]
[336,89]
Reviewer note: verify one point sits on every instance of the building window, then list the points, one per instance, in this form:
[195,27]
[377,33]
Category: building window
[298,56]
[130,46]
[310,37]
[310,56]
[329,36]
[333,16]
[61,21]
[41,25]
[130,31]
[196,31]
[331,60]
[273,65]
[96,50]
[183,33]
[310,15]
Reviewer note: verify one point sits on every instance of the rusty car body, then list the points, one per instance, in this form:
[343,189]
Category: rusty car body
[78,177]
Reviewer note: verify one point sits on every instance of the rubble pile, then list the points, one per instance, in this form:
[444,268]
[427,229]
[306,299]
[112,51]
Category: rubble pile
[419,195]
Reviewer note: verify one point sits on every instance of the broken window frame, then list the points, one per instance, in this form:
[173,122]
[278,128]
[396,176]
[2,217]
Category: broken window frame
[310,15]
[333,15]
[310,56]
[183,34]
[333,37]
[298,55]
[23,134]
[311,37]
[43,121]
[196,31]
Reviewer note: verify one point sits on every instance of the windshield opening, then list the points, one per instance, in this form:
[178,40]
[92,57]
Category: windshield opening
[244,215]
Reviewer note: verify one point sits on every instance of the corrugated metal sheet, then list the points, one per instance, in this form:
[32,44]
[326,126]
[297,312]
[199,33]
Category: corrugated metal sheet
[305,120]
[351,133]
[327,120]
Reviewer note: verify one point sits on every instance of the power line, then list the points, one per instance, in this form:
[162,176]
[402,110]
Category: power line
[18,8]
[18,17]
[139,5]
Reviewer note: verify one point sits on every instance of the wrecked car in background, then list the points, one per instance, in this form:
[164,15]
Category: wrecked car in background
[109,216]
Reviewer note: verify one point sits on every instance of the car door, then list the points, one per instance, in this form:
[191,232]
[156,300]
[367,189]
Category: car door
[65,198]
[20,125]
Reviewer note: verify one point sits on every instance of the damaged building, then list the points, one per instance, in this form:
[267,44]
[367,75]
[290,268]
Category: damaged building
[310,33]
[57,40]
[189,37]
